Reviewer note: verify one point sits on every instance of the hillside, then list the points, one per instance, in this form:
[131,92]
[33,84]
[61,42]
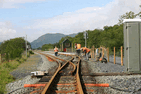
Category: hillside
[48,38]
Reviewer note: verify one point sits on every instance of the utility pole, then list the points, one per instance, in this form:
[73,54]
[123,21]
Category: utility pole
[26,45]
[85,37]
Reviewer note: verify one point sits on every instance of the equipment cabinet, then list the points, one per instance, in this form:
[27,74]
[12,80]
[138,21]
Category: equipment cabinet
[132,45]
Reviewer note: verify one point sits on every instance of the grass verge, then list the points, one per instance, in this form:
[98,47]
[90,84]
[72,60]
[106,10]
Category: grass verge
[5,69]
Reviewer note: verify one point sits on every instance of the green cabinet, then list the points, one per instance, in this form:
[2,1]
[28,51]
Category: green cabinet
[132,45]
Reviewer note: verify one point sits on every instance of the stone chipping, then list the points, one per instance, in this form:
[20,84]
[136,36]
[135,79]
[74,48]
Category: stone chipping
[118,84]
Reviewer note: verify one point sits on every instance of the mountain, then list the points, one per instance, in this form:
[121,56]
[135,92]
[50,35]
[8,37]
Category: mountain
[0,43]
[48,38]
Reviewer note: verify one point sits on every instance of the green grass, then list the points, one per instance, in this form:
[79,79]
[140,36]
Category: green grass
[5,69]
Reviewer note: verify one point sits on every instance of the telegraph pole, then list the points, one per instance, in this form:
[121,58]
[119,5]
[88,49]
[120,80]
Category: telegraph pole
[85,37]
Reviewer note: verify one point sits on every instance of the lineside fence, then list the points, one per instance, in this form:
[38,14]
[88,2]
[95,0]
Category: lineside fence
[110,54]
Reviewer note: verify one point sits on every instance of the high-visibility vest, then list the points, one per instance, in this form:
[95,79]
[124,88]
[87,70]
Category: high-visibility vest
[78,46]
[83,48]
[87,50]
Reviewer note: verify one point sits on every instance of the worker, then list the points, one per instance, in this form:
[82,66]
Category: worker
[56,51]
[84,50]
[87,52]
[78,49]
[75,46]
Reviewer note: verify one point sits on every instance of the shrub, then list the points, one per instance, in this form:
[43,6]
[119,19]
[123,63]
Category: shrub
[30,52]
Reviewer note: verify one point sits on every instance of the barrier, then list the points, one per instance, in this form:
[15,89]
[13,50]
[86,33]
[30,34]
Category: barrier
[110,57]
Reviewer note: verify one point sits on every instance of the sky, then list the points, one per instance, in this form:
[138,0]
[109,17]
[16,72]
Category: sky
[35,18]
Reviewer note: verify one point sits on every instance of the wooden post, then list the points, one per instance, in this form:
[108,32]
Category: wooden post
[62,46]
[121,56]
[93,52]
[114,56]
[102,52]
[72,47]
[108,54]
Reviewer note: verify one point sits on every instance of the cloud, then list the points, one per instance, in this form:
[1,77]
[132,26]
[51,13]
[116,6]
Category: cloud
[87,18]
[6,30]
[14,3]
[80,20]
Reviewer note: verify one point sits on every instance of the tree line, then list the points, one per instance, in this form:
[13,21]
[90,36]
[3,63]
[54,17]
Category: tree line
[109,36]
[13,48]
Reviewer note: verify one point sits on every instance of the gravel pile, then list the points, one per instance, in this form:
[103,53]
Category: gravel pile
[118,84]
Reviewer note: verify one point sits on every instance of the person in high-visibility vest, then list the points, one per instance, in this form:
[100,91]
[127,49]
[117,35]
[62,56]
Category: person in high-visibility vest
[84,50]
[56,51]
[87,52]
[78,49]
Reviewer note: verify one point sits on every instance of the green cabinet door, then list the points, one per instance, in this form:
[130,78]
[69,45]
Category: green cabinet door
[133,47]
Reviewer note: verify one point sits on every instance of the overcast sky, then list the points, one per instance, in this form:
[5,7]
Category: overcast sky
[38,17]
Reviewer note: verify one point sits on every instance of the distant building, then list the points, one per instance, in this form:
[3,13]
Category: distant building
[66,44]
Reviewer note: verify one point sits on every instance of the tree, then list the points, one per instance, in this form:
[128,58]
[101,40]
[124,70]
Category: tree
[127,15]
[13,48]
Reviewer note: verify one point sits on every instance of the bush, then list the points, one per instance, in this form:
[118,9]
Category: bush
[30,52]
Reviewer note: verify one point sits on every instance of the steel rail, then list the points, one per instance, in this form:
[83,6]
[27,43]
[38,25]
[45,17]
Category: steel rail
[47,87]
[64,60]
[79,85]
[78,82]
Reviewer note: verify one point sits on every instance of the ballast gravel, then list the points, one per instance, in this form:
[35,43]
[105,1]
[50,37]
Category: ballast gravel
[23,76]
[128,84]
[118,84]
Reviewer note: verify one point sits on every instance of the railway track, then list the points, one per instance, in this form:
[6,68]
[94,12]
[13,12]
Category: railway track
[65,80]
[71,76]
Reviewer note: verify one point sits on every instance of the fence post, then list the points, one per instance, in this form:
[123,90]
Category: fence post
[62,47]
[108,53]
[121,56]
[114,56]
[72,47]
[93,52]
[102,52]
